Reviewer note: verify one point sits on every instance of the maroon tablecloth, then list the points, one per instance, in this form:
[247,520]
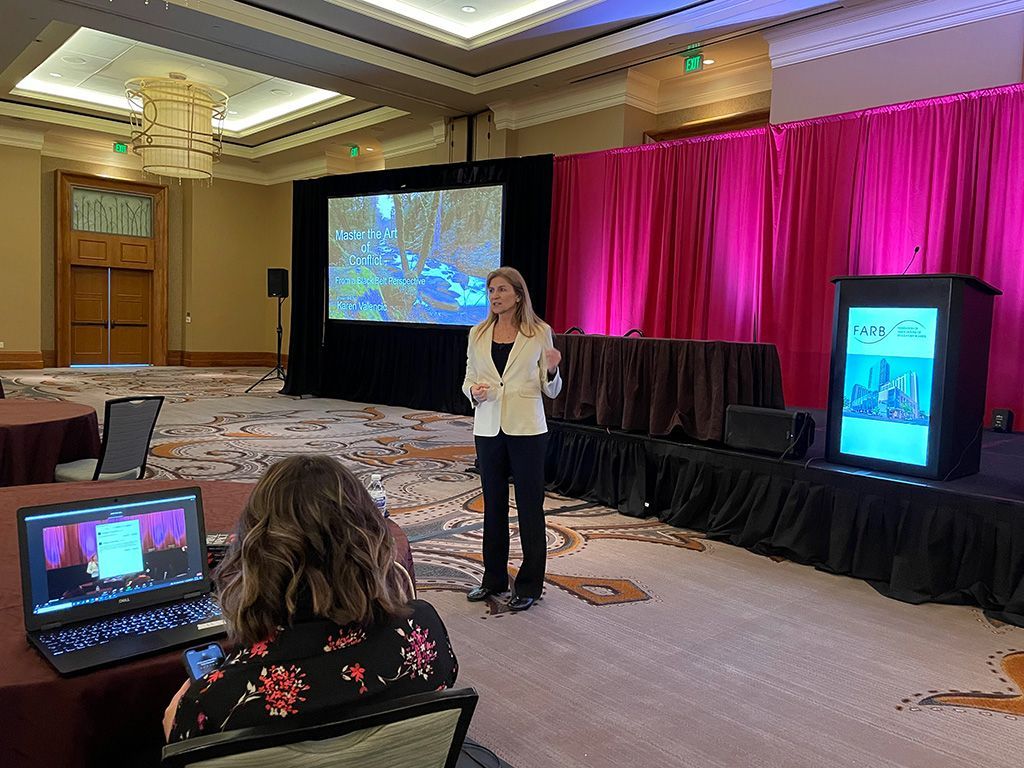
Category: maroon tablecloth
[658,386]
[37,435]
[109,717]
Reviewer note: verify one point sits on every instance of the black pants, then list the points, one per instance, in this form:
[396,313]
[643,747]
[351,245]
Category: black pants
[524,457]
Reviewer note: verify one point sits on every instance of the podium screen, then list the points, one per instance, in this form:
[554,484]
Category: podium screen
[887,383]
[413,257]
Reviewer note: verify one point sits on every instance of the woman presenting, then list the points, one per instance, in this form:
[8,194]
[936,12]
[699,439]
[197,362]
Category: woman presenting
[511,361]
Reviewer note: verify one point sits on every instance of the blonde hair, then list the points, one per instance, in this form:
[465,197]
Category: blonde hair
[309,539]
[524,317]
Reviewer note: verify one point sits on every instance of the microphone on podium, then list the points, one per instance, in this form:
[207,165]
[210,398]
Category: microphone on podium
[916,249]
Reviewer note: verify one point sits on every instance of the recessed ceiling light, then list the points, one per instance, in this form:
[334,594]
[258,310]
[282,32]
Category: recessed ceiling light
[708,61]
[74,60]
[368,149]
[56,74]
[280,92]
[468,9]
[232,112]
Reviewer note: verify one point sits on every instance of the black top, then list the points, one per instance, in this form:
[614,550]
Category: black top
[499,354]
[315,665]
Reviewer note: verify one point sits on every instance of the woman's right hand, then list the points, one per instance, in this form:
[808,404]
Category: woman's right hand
[479,392]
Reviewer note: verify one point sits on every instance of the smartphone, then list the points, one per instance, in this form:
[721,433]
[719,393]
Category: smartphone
[202,660]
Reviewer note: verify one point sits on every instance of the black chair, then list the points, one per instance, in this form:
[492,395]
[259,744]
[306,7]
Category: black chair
[2,395]
[422,731]
[128,424]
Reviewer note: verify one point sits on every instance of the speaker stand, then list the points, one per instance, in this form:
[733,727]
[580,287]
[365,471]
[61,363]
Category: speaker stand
[277,372]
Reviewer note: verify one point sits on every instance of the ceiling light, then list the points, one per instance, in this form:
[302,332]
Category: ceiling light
[56,74]
[368,149]
[708,62]
[76,61]
[177,125]
[232,111]
[468,9]
[280,92]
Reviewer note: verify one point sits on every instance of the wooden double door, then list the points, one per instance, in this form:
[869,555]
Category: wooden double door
[111,272]
[111,316]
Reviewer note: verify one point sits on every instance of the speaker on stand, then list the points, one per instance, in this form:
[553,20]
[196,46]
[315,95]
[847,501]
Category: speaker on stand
[277,287]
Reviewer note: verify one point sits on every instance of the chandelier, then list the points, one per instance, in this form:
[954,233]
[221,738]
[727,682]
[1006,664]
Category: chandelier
[177,125]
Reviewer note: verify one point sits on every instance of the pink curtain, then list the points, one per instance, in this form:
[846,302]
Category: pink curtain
[75,543]
[737,236]
[667,238]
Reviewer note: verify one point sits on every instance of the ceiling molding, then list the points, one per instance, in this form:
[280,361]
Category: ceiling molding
[607,92]
[731,81]
[642,91]
[25,138]
[122,130]
[863,26]
[338,127]
[417,141]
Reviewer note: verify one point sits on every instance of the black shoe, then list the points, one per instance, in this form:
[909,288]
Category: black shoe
[518,603]
[480,593]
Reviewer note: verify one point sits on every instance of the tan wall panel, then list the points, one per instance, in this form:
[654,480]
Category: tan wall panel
[21,262]
[590,132]
[236,232]
[969,57]
[433,156]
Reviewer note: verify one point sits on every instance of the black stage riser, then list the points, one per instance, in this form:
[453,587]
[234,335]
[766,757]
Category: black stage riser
[915,544]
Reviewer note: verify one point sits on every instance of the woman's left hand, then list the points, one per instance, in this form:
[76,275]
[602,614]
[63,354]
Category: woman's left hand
[172,710]
[552,357]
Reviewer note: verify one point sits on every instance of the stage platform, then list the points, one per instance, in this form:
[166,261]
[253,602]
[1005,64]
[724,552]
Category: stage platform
[915,540]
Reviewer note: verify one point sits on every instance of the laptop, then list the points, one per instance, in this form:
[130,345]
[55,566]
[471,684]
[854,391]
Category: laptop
[104,580]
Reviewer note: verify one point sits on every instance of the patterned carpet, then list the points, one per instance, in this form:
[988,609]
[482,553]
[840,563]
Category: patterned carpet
[652,645]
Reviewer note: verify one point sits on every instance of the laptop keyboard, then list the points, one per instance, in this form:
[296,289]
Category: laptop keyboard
[82,636]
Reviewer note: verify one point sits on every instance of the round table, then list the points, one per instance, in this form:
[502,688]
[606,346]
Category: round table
[107,717]
[37,435]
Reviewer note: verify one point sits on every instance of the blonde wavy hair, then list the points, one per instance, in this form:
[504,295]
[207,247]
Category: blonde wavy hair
[310,539]
[525,318]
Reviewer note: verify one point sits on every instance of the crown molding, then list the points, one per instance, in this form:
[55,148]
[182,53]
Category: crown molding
[642,92]
[24,138]
[861,27]
[122,130]
[417,141]
[729,82]
[609,91]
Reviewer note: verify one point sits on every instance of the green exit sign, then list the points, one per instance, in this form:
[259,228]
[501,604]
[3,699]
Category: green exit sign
[693,63]
[121,147]
[353,151]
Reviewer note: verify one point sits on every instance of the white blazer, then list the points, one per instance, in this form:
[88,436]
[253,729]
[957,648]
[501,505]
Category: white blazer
[513,403]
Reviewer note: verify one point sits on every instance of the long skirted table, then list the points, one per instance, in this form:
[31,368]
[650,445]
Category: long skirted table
[659,387]
[109,717]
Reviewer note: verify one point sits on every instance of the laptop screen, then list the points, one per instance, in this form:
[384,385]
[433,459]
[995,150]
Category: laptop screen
[107,554]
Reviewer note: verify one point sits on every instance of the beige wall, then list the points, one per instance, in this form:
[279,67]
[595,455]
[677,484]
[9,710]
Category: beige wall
[756,102]
[980,55]
[590,132]
[234,232]
[433,156]
[21,263]
[636,122]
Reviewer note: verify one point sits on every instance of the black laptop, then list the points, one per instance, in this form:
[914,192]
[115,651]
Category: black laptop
[108,579]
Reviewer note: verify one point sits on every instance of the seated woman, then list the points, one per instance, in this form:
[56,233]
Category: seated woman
[321,614]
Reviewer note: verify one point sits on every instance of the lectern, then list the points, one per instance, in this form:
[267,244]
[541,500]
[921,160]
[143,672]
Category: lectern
[908,373]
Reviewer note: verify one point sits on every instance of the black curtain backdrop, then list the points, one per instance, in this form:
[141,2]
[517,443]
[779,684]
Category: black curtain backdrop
[391,363]
[912,543]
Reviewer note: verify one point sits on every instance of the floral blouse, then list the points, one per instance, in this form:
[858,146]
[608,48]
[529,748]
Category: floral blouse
[315,665]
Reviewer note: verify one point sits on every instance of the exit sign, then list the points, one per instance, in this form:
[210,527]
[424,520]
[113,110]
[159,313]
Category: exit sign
[353,151]
[694,63]
[121,147]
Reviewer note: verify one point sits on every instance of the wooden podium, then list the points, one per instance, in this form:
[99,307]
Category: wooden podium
[908,373]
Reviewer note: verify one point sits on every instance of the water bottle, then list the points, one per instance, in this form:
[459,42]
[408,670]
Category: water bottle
[378,494]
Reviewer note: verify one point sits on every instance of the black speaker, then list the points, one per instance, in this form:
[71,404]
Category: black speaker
[277,283]
[769,430]
[1002,420]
